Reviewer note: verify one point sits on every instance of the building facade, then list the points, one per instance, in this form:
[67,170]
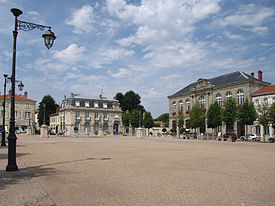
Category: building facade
[86,116]
[24,112]
[238,85]
[264,96]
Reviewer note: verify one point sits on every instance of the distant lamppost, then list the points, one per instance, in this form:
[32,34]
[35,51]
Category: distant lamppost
[44,118]
[49,38]
[20,87]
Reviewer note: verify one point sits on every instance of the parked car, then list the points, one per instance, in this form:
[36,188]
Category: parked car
[204,136]
[250,137]
[271,139]
[191,135]
[229,135]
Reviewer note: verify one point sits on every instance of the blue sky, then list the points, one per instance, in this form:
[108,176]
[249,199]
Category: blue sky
[154,47]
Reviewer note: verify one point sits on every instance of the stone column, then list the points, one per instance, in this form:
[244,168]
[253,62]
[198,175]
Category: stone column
[44,131]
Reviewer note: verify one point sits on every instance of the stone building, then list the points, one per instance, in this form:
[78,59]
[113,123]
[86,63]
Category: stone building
[91,116]
[24,112]
[263,96]
[54,122]
[238,85]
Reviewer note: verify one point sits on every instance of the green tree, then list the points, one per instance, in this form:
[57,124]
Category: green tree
[126,119]
[197,117]
[49,109]
[272,114]
[163,117]
[264,116]
[135,118]
[229,113]
[247,113]
[129,101]
[214,117]
[148,121]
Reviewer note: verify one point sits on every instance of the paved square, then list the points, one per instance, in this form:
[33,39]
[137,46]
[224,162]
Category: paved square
[132,171]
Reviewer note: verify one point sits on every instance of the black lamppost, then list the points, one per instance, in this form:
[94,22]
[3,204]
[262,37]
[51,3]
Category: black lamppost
[3,143]
[44,118]
[49,38]
[20,87]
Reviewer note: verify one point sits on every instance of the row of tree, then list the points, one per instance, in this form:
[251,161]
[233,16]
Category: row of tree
[245,114]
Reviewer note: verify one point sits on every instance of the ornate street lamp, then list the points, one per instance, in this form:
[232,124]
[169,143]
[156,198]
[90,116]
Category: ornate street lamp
[49,39]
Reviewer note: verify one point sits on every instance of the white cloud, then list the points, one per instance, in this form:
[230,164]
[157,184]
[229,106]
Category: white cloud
[233,36]
[249,17]
[122,73]
[82,19]
[72,54]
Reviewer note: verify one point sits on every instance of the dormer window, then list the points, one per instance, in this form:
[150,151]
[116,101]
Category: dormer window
[96,105]
[105,106]
[77,103]
[87,104]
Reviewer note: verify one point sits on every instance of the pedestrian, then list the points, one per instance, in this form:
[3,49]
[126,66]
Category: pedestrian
[219,136]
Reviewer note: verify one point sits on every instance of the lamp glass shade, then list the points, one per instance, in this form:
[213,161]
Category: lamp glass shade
[20,86]
[49,38]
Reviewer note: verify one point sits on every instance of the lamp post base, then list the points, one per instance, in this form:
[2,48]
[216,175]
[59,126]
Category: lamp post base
[11,168]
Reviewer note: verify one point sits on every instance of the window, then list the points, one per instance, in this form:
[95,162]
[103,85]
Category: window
[202,101]
[116,116]
[265,101]
[96,127]
[180,106]
[266,130]
[188,105]
[257,102]
[105,116]
[219,99]
[27,105]
[174,107]
[105,127]
[258,130]
[17,114]
[228,95]
[96,116]
[105,106]
[273,100]
[87,115]
[115,107]
[87,104]
[27,115]
[87,127]
[96,105]
[240,97]
[77,115]
[77,103]
[77,124]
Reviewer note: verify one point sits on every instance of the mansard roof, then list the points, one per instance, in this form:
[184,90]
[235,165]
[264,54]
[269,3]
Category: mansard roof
[72,100]
[226,79]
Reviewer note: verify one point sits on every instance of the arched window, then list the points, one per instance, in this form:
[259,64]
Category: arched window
[202,101]
[219,99]
[180,106]
[96,127]
[228,95]
[174,107]
[105,127]
[240,97]
[188,105]
[87,127]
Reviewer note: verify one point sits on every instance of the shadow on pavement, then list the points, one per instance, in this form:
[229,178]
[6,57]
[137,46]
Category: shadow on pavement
[5,156]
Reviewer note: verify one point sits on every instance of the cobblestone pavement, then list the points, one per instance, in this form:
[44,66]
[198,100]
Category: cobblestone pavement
[137,171]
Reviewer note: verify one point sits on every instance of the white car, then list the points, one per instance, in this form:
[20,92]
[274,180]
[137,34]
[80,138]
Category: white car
[251,136]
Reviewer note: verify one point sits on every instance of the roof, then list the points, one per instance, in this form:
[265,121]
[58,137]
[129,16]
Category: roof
[231,78]
[72,100]
[158,122]
[266,90]
[17,98]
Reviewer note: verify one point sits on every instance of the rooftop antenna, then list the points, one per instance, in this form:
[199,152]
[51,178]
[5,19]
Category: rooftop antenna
[101,93]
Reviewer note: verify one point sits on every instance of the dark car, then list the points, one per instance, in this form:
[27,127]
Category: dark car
[271,139]
[190,135]
[229,135]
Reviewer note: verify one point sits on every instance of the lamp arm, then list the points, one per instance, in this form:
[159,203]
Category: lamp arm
[27,26]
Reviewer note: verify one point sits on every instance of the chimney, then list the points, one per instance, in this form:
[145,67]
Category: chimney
[100,96]
[57,109]
[260,75]
[252,74]
[25,94]
[65,97]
